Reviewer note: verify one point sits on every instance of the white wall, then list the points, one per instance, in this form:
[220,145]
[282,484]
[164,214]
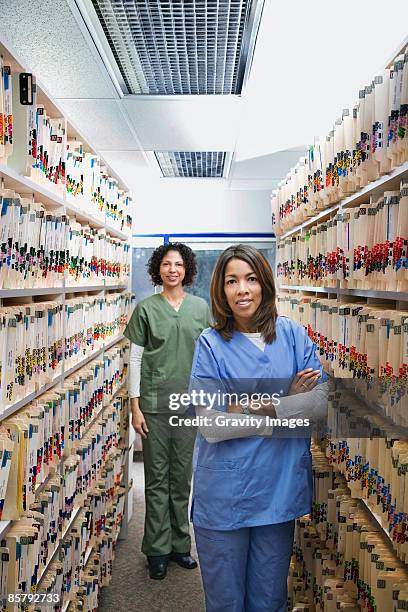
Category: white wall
[199,206]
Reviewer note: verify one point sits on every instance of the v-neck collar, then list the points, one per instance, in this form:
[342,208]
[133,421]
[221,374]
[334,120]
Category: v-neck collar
[173,310]
[244,340]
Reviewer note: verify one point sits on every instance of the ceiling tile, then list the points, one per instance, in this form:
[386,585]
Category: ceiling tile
[131,166]
[185,123]
[101,123]
[267,167]
[47,40]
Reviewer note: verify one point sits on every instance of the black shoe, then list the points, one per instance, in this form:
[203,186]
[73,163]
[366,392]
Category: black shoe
[184,560]
[157,567]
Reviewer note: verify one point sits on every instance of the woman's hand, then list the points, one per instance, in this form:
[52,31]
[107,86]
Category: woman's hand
[304,381]
[139,423]
[234,408]
[138,420]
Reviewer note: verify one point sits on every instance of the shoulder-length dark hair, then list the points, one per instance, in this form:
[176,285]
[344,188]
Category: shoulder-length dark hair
[265,316]
[188,256]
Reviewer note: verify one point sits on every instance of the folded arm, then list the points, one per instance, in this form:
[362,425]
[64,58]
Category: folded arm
[220,426]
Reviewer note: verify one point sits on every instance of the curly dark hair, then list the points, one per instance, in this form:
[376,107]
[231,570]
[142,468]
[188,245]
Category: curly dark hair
[189,258]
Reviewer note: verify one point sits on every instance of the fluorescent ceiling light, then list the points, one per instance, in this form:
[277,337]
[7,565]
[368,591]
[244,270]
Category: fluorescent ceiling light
[180,47]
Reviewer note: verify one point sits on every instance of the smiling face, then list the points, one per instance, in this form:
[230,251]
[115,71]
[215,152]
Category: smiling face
[243,292]
[172,270]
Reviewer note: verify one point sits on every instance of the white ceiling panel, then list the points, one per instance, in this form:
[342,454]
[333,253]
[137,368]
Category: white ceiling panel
[185,123]
[102,123]
[253,184]
[271,167]
[46,39]
[131,166]
[306,69]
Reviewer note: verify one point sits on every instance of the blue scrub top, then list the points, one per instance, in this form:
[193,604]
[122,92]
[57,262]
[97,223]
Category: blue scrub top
[253,481]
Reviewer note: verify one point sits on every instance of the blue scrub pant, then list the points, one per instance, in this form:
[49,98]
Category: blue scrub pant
[245,570]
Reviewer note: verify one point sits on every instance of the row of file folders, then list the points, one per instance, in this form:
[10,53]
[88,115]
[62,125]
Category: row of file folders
[375,465]
[56,426]
[367,343]
[81,507]
[76,576]
[39,248]
[365,247]
[37,339]
[366,142]
[59,163]
[342,558]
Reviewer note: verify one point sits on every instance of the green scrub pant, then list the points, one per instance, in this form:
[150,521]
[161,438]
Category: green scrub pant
[167,454]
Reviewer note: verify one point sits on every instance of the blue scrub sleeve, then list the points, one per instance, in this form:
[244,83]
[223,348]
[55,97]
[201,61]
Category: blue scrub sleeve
[206,384]
[204,363]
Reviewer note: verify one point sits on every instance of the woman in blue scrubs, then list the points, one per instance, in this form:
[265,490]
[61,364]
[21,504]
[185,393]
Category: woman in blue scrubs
[249,490]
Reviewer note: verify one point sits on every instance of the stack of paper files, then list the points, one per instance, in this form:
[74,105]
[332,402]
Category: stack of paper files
[24,568]
[343,559]
[375,466]
[366,142]
[368,343]
[6,112]
[39,248]
[363,247]
[90,187]
[31,348]
[48,431]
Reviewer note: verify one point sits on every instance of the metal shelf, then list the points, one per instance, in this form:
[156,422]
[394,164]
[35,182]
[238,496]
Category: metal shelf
[372,512]
[24,185]
[83,215]
[75,513]
[120,388]
[310,221]
[116,287]
[32,291]
[372,293]
[9,410]
[88,554]
[309,288]
[117,233]
[4,525]
[93,221]
[356,198]
[40,487]
[365,293]
[377,519]
[398,51]
[83,288]
[89,358]
[29,292]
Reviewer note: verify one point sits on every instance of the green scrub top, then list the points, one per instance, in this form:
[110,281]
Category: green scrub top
[168,337]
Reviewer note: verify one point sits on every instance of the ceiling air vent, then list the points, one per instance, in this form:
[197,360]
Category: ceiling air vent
[208,164]
[168,47]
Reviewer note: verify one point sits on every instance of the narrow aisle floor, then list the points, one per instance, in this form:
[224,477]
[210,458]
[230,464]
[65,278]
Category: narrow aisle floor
[131,588]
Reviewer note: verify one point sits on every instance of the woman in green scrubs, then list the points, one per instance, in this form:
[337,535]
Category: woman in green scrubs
[163,331]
